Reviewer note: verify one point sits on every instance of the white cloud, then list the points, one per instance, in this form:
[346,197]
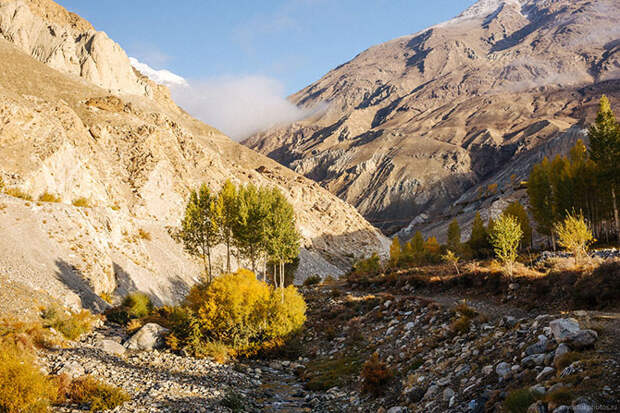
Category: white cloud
[164,77]
[238,106]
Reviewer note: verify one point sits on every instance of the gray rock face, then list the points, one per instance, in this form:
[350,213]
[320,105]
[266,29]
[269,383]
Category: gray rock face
[149,337]
[562,327]
[562,349]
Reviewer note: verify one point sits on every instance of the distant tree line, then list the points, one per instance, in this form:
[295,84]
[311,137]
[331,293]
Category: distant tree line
[254,223]
[583,182]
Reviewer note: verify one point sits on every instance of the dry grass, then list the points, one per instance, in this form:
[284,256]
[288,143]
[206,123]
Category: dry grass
[81,202]
[98,396]
[49,197]
[18,193]
[143,234]
[70,325]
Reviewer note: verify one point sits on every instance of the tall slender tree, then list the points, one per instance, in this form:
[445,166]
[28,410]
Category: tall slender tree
[200,231]
[518,211]
[227,206]
[604,137]
[454,236]
[479,238]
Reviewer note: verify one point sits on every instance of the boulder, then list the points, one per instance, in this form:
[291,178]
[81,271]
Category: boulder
[545,373]
[414,394]
[538,407]
[539,347]
[563,327]
[111,347]
[503,369]
[533,360]
[149,337]
[581,339]
[398,409]
[562,349]
[448,394]
[582,408]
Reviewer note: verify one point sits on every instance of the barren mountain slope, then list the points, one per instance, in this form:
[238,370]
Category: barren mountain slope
[134,157]
[413,123]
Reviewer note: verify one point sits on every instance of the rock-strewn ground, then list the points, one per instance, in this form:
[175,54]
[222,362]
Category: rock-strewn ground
[439,362]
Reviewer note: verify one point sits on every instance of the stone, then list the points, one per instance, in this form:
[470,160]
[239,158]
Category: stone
[560,350]
[486,370]
[398,409]
[538,389]
[409,325]
[431,391]
[503,369]
[581,339]
[111,347]
[448,393]
[583,408]
[562,409]
[414,394]
[513,286]
[563,327]
[538,407]
[149,337]
[539,347]
[72,369]
[545,373]
[533,360]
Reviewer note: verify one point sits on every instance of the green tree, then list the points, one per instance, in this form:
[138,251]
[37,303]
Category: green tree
[281,236]
[249,230]
[228,209]
[200,231]
[479,238]
[604,137]
[395,252]
[505,239]
[518,211]
[574,235]
[540,196]
[417,243]
[454,236]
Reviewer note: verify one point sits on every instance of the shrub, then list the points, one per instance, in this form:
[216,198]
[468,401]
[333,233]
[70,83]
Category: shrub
[143,234]
[134,325]
[71,325]
[574,235]
[566,360]
[18,193]
[98,396]
[327,373]
[240,311]
[375,375]
[107,297]
[518,401]
[560,396]
[22,386]
[81,202]
[312,280]
[234,401]
[368,266]
[26,335]
[117,315]
[465,310]
[505,238]
[460,325]
[137,305]
[215,350]
[48,197]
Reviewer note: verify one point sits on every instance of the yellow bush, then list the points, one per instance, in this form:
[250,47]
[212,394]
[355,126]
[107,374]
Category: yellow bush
[71,325]
[48,197]
[99,396]
[18,193]
[81,202]
[23,388]
[243,312]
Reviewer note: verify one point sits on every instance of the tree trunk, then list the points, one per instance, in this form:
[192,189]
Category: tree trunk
[615,206]
[228,256]
[282,279]
[210,274]
[275,279]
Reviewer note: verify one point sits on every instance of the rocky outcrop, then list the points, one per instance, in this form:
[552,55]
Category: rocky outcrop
[130,160]
[416,123]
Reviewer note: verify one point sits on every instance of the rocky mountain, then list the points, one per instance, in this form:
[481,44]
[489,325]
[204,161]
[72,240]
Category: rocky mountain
[79,123]
[417,128]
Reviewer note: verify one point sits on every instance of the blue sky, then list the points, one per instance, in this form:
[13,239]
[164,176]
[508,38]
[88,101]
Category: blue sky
[271,46]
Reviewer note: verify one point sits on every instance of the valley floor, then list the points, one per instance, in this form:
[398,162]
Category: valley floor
[438,354]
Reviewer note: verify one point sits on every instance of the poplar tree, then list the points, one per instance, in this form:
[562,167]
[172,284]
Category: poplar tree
[604,137]
[518,211]
[505,239]
[540,195]
[395,252]
[199,228]
[227,206]
[479,237]
[249,229]
[454,236]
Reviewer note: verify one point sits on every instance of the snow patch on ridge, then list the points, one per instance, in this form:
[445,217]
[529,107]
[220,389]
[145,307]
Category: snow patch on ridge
[163,77]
